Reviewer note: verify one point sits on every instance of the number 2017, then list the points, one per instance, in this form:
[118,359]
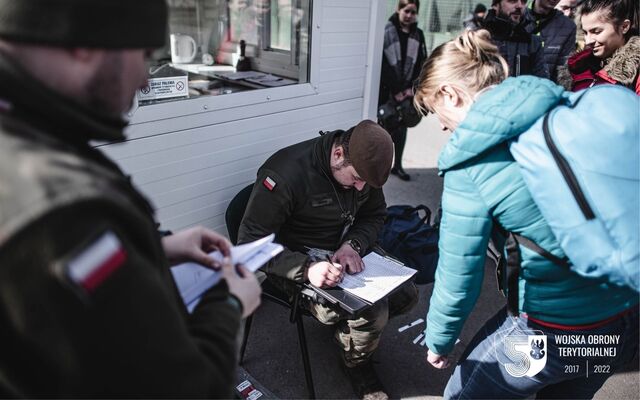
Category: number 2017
[571,369]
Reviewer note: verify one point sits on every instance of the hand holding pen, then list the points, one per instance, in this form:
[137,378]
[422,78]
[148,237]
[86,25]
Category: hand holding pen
[325,273]
[337,266]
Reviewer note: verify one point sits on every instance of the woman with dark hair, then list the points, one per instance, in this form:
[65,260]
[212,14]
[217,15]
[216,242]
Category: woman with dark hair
[612,53]
[404,53]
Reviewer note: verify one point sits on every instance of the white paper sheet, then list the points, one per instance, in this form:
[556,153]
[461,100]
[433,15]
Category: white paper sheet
[194,279]
[381,275]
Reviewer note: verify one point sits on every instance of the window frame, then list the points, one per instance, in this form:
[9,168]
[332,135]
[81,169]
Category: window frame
[148,113]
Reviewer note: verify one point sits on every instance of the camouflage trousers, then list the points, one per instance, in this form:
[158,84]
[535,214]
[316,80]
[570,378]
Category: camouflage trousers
[359,336]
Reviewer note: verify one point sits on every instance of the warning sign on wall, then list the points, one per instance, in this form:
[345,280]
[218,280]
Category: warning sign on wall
[164,88]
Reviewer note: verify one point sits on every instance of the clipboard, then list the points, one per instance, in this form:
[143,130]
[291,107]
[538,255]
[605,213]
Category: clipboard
[349,302]
[336,295]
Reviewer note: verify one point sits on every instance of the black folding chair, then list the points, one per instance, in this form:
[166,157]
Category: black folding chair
[233,217]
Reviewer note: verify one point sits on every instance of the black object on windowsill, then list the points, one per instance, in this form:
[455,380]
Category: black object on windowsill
[243,64]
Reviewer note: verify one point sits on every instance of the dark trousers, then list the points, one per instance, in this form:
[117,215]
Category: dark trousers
[399,137]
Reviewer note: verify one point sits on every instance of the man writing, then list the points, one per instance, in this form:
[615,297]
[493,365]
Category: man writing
[326,193]
[507,21]
[88,306]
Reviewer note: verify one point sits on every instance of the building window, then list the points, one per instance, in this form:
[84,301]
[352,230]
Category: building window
[203,54]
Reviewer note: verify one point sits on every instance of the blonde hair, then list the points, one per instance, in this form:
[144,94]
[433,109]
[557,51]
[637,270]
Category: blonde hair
[470,62]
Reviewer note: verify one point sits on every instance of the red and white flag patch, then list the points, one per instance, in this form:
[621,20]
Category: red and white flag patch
[96,262]
[269,183]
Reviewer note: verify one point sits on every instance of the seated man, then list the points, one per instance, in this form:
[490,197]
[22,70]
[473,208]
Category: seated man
[326,193]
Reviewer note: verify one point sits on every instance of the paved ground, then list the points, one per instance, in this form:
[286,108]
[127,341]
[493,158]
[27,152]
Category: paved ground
[273,356]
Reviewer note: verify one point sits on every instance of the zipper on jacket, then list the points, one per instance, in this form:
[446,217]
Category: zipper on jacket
[567,173]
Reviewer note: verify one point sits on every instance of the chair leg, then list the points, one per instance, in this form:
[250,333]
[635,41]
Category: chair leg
[305,357]
[245,337]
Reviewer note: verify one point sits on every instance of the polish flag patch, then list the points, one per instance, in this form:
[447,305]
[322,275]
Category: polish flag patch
[269,183]
[96,262]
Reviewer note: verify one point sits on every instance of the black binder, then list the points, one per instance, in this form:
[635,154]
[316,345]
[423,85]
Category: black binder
[337,295]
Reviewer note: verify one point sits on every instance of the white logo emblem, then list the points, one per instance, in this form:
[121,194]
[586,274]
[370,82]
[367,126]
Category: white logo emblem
[527,354]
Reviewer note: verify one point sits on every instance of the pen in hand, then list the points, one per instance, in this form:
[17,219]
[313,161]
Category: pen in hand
[336,266]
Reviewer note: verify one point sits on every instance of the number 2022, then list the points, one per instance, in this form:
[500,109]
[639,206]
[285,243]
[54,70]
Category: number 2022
[601,369]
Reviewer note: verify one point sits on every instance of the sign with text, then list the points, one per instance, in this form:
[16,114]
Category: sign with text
[164,88]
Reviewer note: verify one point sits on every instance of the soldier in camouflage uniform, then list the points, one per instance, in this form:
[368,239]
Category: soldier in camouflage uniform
[327,193]
[88,307]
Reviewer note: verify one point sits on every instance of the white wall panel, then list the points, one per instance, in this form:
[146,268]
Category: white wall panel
[349,4]
[345,25]
[191,157]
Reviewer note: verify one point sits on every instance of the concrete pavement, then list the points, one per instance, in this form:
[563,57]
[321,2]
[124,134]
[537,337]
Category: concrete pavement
[273,356]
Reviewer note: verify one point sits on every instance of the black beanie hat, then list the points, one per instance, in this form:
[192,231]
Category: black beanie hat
[479,8]
[371,152]
[108,24]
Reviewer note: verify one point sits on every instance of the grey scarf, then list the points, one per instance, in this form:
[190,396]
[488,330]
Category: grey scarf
[392,51]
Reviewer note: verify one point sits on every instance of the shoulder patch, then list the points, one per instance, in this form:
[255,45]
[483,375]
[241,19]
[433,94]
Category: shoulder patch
[94,263]
[269,183]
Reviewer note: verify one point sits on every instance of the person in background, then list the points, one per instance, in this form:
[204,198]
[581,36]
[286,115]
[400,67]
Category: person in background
[464,82]
[474,20]
[404,53]
[326,193]
[509,25]
[612,51]
[568,8]
[558,34]
[89,308]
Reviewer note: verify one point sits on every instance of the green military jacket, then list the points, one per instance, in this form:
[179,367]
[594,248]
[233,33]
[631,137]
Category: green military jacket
[88,307]
[296,197]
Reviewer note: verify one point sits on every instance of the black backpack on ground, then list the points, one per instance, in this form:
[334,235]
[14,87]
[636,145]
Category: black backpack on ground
[409,236]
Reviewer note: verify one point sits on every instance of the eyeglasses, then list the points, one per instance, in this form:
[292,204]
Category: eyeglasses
[415,86]
[414,89]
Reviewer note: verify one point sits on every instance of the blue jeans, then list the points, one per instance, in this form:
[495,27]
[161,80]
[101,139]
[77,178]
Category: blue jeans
[503,359]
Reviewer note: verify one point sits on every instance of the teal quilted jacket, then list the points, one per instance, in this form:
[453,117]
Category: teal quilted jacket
[483,187]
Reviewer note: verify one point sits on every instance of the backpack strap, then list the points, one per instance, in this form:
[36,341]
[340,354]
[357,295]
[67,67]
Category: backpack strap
[511,268]
[512,271]
[533,246]
[406,214]
[567,172]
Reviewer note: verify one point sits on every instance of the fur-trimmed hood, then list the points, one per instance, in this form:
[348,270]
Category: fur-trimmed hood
[623,66]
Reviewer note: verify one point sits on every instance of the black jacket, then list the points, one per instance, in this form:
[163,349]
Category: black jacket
[522,50]
[121,331]
[307,207]
[558,34]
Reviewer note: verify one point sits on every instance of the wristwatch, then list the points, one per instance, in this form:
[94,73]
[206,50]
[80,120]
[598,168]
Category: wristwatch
[355,244]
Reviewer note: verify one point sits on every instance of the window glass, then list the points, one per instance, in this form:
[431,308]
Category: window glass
[217,47]
[280,28]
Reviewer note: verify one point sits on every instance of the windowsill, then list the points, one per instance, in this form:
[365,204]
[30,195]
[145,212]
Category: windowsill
[214,80]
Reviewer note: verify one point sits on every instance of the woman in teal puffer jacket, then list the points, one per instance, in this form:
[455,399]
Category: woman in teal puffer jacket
[463,83]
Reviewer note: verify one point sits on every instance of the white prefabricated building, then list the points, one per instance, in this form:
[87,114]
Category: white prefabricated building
[191,155]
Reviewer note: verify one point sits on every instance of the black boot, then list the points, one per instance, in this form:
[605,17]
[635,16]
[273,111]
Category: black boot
[399,137]
[400,173]
[365,381]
